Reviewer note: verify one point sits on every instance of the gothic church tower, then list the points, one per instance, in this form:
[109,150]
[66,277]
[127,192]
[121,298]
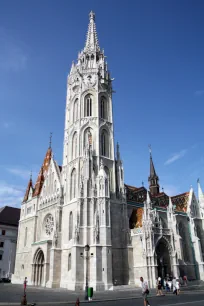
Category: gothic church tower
[92,179]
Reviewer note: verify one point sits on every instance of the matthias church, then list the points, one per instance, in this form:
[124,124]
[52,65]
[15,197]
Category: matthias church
[130,231]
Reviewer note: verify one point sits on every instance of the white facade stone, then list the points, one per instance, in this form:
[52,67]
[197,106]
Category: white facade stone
[85,202]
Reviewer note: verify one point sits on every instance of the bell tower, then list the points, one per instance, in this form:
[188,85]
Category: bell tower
[89,166]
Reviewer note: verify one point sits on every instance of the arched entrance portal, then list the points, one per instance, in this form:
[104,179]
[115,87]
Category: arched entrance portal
[163,259]
[38,268]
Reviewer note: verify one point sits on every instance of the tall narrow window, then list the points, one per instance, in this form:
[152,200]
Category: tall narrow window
[121,174]
[82,214]
[74,146]
[69,261]
[70,225]
[103,108]
[25,237]
[104,143]
[88,106]
[73,184]
[75,111]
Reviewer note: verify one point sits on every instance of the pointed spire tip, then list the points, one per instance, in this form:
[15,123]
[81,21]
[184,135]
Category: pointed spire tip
[92,16]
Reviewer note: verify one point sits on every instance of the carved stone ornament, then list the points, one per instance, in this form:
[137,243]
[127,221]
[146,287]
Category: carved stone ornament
[49,224]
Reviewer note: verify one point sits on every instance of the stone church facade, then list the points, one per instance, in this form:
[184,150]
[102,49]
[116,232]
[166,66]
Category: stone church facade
[131,231]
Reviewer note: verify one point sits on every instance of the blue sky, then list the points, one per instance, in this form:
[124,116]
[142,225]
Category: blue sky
[155,53]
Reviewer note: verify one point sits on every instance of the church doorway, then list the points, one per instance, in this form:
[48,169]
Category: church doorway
[38,268]
[163,259]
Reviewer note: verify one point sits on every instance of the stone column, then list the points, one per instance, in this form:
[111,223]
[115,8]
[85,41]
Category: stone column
[175,267]
[55,268]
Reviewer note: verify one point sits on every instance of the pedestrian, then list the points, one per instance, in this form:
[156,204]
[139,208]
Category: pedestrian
[170,284]
[178,286]
[159,286]
[167,286]
[25,284]
[185,280]
[174,286]
[145,291]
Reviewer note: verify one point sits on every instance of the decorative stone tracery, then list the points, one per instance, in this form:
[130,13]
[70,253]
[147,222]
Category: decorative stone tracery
[49,224]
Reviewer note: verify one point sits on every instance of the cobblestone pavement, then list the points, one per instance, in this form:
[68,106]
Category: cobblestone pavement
[44,296]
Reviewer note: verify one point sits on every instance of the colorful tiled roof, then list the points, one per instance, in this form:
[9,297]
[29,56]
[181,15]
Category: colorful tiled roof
[160,200]
[39,183]
[44,168]
[136,194]
[181,201]
[139,194]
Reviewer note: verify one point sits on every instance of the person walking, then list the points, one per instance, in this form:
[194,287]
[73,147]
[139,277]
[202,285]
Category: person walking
[159,286]
[185,280]
[25,284]
[145,291]
[178,286]
[174,286]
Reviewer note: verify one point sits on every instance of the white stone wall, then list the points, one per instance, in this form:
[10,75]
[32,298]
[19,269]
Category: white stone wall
[8,250]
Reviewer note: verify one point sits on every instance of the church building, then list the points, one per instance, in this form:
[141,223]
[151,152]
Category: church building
[128,231]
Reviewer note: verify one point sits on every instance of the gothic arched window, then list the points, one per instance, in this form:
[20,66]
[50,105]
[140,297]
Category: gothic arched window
[73,184]
[74,146]
[25,238]
[75,111]
[104,109]
[69,261]
[88,106]
[104,143]
[70,225]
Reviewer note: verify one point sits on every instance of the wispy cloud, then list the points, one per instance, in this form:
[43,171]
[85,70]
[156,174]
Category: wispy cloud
[10,195]
[6,124]
[175,157]
[199,92]
[13,56]
[171,190]
[20,172]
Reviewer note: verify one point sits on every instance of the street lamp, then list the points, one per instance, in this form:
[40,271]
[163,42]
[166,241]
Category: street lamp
[86,248]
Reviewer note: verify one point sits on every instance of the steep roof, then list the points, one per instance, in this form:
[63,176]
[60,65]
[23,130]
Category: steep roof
[44,168]
[9,215]
[152,169]
[30,185]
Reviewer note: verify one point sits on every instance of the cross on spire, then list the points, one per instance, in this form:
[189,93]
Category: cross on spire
[50,143]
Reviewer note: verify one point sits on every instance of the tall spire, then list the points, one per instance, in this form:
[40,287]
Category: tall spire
[153,177]
[92,39]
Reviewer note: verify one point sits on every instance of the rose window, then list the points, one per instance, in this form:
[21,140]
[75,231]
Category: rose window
[49,224]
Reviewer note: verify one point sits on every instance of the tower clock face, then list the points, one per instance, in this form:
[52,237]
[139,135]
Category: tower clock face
[90,80]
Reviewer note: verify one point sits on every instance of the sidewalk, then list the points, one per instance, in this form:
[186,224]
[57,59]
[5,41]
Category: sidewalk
[12,294]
